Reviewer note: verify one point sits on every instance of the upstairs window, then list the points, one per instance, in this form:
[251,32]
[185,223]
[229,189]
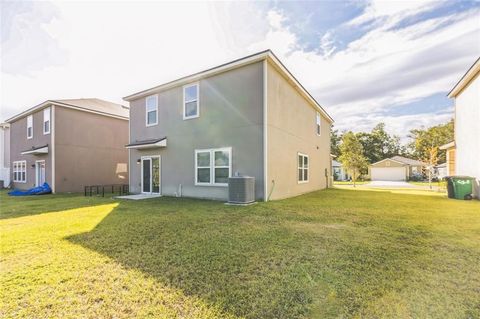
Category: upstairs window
[46,121]
[29,126]
[151,110]
[302,168]
[20,171]
[318,125]
[191,107]
[213,166]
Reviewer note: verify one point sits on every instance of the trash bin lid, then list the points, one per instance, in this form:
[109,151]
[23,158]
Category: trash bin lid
[459,177]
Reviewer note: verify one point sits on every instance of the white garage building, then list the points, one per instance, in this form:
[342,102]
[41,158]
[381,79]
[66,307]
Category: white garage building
[397,168]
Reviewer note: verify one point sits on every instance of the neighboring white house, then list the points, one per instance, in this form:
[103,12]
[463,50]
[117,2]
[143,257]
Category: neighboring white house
[450,153]
[466,94]
[339,173]
[396,168]
[441,170]
[5,153]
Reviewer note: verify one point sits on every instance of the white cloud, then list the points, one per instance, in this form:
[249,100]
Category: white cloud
[275,19]
[279,38]
[389,12]
[386,67]
[26,39]
[109,51]
[327,44]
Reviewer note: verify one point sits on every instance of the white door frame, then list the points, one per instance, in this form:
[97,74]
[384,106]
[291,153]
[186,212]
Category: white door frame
[150,157]
[37,166]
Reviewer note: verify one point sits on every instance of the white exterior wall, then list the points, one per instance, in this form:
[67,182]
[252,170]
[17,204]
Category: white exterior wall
[467,131]
[341,173]
[442,172]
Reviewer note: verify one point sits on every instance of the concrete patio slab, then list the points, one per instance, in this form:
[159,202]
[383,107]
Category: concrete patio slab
[139,196]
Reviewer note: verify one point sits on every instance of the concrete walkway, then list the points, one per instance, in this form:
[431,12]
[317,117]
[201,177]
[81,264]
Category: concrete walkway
[390,184]
[139,196]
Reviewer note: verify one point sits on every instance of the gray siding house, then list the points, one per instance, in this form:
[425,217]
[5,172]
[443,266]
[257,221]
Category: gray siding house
[69,144]
[249,117]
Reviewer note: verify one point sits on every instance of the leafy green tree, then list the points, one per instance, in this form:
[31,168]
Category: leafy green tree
[431,160]
[352,157]
[426,139]
[378,144]
[335,139]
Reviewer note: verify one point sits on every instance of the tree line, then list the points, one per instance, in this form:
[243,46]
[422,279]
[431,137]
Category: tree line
[357,150]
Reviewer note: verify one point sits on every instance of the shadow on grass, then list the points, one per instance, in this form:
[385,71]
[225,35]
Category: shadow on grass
[251,262]
[20,206]
[208,250]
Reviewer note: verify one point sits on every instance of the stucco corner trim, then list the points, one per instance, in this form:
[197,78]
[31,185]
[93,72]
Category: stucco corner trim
[265,131]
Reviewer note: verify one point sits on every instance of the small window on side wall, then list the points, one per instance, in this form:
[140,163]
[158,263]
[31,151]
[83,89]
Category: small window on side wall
[318,125]
[46,121]
[151,110]
[29,126]
[20,171]
[302,168]
[191,105]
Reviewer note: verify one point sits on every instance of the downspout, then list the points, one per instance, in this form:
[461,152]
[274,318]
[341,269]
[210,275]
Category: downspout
[129,168]
[53,148]
[265,134]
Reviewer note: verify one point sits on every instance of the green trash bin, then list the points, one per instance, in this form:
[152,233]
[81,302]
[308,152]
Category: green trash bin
[462,187]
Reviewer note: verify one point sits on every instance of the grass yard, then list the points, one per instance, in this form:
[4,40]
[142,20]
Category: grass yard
[426,183]
[337,253]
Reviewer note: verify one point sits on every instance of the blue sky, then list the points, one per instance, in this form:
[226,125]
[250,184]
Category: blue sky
[365,62]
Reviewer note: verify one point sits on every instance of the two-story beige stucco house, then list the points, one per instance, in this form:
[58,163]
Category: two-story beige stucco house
[69,144]
[248,117]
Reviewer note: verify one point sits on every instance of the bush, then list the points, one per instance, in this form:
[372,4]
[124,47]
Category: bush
[416,178]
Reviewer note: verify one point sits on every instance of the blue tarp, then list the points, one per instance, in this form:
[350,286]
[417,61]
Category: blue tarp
[39,190]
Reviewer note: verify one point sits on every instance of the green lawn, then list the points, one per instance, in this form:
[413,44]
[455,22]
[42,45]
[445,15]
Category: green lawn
[337,253]
[425,183]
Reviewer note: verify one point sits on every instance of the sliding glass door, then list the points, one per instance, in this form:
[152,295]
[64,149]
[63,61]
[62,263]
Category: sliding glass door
[151,175]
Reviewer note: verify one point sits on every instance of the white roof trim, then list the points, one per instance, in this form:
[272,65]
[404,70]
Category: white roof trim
[447,146]
[200,75]
[69,106]
[264,55]
[388,159]
[465,80]
[43,150]
[162,143]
